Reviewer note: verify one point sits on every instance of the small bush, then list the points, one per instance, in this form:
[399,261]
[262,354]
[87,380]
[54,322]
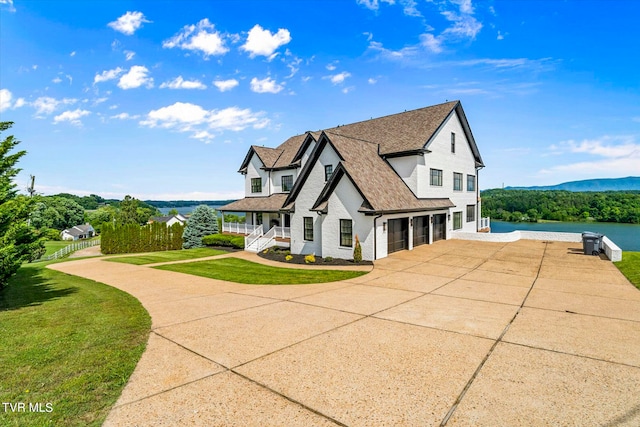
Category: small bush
[328,259]
[288,258]
[311,258]
[226,240]
[357,251]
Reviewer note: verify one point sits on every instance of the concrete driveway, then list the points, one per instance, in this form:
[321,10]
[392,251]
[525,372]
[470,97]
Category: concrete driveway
[457,333]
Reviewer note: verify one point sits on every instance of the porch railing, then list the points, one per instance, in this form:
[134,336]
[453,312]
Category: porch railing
[251,241]
[239,228]
[485,223]
[267,240]
[283,232]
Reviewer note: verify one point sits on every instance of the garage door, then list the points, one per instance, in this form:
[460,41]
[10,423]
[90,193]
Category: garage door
[420,230]
[439,227]
[398,236]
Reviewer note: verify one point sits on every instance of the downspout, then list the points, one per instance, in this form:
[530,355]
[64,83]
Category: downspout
[375,233]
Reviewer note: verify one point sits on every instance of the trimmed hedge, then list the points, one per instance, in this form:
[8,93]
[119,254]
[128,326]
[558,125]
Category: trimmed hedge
[227,240]
[132,238]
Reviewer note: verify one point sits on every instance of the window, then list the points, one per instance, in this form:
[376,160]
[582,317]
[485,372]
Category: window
[471,213]
[256,185]
[436,177]
[308,228]
[346,235]
[471,183]
[457,181]
[328,170]
[453,142]
[287,183]
[457,220]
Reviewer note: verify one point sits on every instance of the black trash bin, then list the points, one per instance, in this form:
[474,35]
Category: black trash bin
[591,243]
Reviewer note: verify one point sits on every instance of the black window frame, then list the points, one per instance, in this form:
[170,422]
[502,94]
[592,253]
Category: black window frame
[346,233]
[457,179]
[307,228]
[457,215]
[290,184]
[453,142]
[471,179]
[256,183]
[328,171]
[438,177]
[471,209]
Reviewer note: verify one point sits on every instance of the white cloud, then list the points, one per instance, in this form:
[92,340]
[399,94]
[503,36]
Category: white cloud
[500,36]
[129,22]
[73,53]
[72,117]
[372,81]
[47,105]
[125,116]
[403,54]
[348,89]
[614,156]
[5,99]
[266,85]
[11,8]
[263,42]
[180,83]
[339,78]
[136,77]
[373,4]
[129,54]
[464,24]
[201,37]
[225,85]
[434,44]
[20,102]
[187,117]
[331,67]
[108,75]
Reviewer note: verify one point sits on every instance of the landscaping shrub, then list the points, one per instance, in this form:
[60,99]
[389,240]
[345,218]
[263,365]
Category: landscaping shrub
[288,257]
[132,238]
[357,251]
[328,259]
[311,258]
[226,240]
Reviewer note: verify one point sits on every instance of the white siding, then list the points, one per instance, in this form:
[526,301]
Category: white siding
[276,179]
[408,168]
[344,204]
[305,200]
[254,171]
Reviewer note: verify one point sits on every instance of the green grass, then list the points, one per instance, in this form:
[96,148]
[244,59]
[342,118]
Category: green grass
[168,256]
[242,271]
[630,267]
[67,341]
[52,246]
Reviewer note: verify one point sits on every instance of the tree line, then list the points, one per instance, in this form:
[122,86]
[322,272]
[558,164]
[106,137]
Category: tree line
[559,205]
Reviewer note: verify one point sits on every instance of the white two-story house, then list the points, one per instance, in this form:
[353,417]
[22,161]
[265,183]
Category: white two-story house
[396,182]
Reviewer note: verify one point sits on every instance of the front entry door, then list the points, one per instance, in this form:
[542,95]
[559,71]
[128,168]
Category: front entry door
[439,227]
[398,237]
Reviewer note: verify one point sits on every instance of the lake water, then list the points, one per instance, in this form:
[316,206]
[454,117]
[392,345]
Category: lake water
[626,236]
[184,210]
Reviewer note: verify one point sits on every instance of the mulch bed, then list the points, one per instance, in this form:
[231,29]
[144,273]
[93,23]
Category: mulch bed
[279,255]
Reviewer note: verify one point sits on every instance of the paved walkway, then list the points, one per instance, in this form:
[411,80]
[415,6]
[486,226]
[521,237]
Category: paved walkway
[457,333]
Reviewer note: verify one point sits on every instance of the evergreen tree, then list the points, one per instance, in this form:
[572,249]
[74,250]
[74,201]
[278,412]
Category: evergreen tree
[203,221]
[18,240]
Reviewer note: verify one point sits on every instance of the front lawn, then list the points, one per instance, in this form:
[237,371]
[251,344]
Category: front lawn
[167,256]
[242,271]
[630,267]
[68,344]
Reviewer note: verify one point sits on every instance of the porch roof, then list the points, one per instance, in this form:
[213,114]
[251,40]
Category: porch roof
[272,203]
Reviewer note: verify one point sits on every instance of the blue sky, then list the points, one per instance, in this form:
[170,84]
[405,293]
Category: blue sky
[162,99]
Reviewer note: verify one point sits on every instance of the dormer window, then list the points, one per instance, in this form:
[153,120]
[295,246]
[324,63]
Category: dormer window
[256,185]
[328,170]
[287,183]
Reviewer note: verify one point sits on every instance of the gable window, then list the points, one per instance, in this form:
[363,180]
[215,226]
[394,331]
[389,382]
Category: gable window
[471,213]
[457,220]
[328,170]
[287,183]
[457,181]
[453,142]
[308,228]
[436,177]
[471,183]
[256,185]
[346,232]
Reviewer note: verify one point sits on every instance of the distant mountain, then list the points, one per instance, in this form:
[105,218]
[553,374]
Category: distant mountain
[629,183]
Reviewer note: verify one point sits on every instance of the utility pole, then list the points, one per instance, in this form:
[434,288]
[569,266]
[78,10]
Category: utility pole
[31,189]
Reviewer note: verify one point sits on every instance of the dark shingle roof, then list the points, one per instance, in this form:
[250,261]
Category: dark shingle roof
[271,203]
